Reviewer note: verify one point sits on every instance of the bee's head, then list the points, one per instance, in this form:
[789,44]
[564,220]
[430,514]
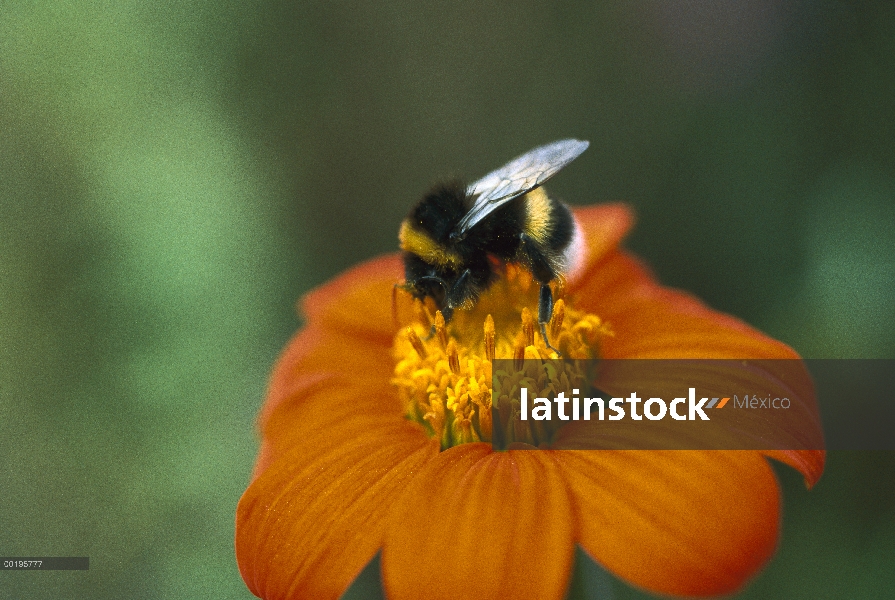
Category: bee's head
[424,279]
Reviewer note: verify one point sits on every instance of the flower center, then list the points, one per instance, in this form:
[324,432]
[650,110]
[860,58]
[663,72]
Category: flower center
[444,380]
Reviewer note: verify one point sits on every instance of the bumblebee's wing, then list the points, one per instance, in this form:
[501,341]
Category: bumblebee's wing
[517,177]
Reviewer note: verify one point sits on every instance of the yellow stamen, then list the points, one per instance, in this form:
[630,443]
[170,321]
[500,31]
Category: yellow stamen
[453,357]
[489,338]
[528,327]
[446,383]
[441,329]
[416,342]
[519,350]
[559,313]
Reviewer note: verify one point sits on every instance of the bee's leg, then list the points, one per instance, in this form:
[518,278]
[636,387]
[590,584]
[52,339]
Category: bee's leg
[458,290]
[534,258]
[545,313]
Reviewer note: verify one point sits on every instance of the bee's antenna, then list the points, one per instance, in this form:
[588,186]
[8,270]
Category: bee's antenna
[404,287]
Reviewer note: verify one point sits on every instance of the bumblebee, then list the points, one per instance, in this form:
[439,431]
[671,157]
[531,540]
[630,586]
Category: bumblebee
[451,236]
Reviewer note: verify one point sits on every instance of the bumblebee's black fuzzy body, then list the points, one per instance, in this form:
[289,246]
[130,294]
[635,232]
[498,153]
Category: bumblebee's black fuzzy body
[532,230]
[451,237]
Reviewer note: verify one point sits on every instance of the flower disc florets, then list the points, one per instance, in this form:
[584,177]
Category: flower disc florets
[445,380]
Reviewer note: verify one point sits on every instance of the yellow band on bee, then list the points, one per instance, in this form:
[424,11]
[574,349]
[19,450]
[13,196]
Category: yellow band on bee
[417,242]
[538,212]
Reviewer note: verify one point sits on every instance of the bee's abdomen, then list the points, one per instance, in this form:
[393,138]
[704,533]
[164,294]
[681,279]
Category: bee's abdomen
[548,222]
[548,234]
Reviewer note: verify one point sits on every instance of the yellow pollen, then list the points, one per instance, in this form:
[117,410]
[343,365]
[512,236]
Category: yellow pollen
[528,326]
[441,329]
[444,377]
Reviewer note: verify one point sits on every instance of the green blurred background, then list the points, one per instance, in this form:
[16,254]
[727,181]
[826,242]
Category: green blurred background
[173,175]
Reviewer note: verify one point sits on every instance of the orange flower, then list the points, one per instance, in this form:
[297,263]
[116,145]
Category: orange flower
[358,411]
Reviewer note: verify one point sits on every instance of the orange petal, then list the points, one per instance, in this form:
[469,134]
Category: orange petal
[330,410]
[315,353]
[810,463]
[650,321]
[316,516]
[796,428]
[359,301]
[481,524]
[675,522]
[323,366]
[603,226]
